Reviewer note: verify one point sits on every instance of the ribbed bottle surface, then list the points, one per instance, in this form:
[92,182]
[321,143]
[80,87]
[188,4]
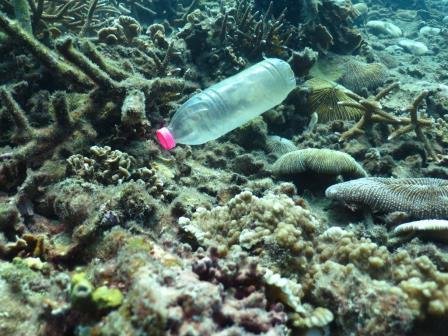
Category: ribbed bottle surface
[232,102]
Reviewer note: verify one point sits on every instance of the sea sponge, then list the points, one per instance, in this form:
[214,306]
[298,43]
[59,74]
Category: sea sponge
[418,197]
[324,98]
[358,75]
[320,161]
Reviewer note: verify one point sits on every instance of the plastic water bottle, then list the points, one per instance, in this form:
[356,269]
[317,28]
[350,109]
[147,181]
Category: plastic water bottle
[228,104]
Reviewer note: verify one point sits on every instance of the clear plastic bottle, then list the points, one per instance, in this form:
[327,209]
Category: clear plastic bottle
[229,104]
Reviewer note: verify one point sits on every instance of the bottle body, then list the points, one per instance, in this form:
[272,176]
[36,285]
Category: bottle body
[232,102]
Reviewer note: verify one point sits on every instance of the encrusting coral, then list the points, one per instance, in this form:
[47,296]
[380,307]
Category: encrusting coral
[107,166]
[320,161]
[417,197]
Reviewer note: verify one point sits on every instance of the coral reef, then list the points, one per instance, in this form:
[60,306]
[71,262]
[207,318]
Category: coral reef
[104,233]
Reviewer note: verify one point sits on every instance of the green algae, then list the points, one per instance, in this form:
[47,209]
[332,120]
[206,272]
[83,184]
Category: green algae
[106,298]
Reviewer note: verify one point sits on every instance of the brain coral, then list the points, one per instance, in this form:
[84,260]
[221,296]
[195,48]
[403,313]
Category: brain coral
[418,197]
[321,161]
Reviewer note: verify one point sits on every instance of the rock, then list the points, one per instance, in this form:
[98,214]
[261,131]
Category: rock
[413,47]
[385,28]
[429,31]
[361,8]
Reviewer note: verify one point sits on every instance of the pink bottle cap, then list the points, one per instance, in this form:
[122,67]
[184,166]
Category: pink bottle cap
[165,138]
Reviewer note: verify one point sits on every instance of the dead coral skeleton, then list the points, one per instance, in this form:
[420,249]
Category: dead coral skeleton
[120,94]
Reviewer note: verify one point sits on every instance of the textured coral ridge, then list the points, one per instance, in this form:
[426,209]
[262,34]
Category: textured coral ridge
[418,197]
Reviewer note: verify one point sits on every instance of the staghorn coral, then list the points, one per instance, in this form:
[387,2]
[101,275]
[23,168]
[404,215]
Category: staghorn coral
[58,16]
[373,113]
[237,35]
[128,96]
[324,97]
[319,161]
[36,145]
[323,24]
[418,197]
[358,76]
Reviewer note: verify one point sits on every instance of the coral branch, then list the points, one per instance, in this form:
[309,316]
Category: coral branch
[43,54]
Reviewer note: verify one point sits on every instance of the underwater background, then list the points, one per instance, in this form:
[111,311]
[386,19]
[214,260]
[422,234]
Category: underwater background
[325,215]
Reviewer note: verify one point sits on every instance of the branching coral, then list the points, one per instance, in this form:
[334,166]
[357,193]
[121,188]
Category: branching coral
[373,112]
[64,15]
[239,34]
